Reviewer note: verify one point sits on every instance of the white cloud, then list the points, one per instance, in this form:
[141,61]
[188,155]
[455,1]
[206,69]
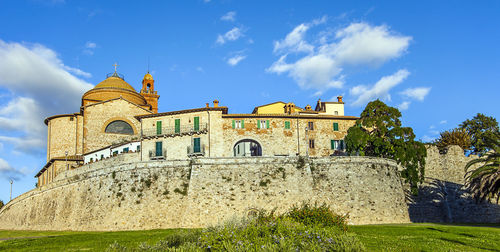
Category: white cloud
[40,85]
[233,61]
[404,105]
[90,45]
[416,93]
[231,35]
[230,16]
[324,60]
[294,41]
[428,139]
[200,69]
[443,122]
[89,48]
[9,172]
[380,90]
[361,43]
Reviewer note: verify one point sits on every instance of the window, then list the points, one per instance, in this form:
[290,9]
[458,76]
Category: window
[138,148]
[158,149]
[177,125]
[196,125]
[196,145]
[238,124]
[115,153]
[335,126]
[336,112]
[287,124]
[102,156]
[91,160]
[158,128]
[120,127]
[310,125]
[337,144]
[71,118]
[263,124]
[311,143]
[125,150]
[247,147]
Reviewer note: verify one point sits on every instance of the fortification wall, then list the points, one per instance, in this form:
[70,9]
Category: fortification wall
[123,194]
[443,197]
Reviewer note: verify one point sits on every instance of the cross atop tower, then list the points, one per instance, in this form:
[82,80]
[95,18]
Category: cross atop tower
[115,65]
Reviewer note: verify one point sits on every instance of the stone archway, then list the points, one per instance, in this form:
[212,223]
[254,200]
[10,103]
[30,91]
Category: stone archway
[247,148]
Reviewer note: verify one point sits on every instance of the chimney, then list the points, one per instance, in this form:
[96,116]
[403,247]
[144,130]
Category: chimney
[208,105]
[339,98]
[216,103]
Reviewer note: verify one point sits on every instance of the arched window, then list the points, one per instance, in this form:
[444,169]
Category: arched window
[120,127]
[246,148]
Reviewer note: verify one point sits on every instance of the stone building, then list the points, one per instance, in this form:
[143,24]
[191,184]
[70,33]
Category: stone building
[114,118]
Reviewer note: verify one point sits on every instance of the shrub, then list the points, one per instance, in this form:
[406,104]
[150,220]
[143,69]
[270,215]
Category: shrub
[308,214]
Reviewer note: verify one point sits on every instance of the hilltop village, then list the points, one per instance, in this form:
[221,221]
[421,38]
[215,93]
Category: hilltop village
[114,119]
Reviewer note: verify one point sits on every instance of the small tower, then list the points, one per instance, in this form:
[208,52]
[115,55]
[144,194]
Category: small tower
[149,93]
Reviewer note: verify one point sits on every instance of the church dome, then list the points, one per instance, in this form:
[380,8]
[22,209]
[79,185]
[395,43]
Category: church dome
[112,87]
[114,82]
[148,76]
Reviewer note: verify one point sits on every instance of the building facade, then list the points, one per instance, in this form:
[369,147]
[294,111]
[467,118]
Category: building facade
[114,119]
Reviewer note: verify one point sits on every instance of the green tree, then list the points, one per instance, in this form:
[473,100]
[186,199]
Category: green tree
[484,181]
[458,137]
[379,134]
[480,128]
[1,204]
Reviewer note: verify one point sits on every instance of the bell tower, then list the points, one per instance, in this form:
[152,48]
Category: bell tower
[149,93]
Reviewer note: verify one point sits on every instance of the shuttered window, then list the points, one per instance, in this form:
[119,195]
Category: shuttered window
[263,124]
[177,125]
[287,124]
[196,145]
[335,126]
[158,128]
[196,123]
[158,149]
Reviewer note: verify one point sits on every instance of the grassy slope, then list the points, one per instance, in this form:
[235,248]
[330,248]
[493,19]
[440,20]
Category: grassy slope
[412,237]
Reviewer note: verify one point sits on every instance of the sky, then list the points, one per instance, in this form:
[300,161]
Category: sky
[437,61]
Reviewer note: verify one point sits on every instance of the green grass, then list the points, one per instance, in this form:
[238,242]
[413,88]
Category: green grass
[428,237]
[79,241]
[407,237]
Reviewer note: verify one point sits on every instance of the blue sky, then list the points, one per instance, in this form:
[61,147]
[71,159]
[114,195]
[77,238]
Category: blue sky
[438,61]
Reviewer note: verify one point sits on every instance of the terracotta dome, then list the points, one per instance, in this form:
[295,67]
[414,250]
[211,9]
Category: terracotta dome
[111,88]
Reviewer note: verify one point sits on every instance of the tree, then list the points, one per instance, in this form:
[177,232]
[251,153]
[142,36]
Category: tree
[484,181]
[480,128]
[458,137]
[379,134]
[1,204]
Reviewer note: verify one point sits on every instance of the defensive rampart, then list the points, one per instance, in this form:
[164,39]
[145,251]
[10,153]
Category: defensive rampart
[122,194]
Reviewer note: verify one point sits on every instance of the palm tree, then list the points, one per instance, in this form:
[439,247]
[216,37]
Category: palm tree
[484,181]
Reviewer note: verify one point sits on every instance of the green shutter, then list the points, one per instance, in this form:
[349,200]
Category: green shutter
[332,144]
[267,124]
[196,145]
[335,126]
[242,124]
[258,124]
[158,128]
[341,144]
[234,124]
[197,123]
[158,149]
[287,125]
[177,125]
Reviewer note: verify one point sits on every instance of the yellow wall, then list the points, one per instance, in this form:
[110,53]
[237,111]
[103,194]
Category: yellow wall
[274,108]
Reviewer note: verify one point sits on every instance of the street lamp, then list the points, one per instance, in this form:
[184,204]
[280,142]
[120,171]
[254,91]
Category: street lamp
[307,142]
[66,153]
[11,189]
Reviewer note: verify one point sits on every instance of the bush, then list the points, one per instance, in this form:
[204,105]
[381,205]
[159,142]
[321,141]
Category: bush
[305,228]
[308,214]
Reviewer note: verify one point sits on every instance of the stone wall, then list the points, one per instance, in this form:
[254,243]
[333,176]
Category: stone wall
[62,136]
[443,197]
[122,194]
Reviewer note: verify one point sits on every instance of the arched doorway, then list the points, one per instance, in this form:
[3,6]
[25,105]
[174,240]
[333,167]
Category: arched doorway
[247,148]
